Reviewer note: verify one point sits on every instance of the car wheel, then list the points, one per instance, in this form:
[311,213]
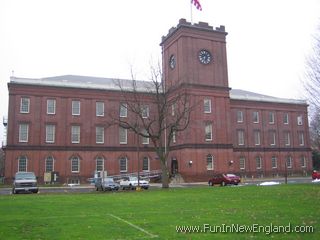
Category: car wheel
[211,183]
[97,189]
[223,184]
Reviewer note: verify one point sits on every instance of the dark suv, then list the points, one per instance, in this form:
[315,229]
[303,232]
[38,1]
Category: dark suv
[25,182]
[224,179]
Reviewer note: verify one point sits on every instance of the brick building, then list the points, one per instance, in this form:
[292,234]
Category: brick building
[58,123]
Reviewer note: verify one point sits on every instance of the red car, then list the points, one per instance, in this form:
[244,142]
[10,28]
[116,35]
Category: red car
[224,179]
[315,175]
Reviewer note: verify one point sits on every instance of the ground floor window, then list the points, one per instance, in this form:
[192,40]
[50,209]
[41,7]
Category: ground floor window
[99,164]
[274,162]
[289,162]
[210,165]
[22,164]
[49,164]
[303,161]
[242,163]
[258,162]
[145,164]
[123,164]
[75,164]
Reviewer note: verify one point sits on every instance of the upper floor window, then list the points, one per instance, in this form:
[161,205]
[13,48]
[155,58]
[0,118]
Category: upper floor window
[299,120]
[173,109]
[49,164]
[123,135]
[301,138]
[51,106]
[286,118]
[257,140]
[239,116]
[208,132]
[75,134]
[75,164]
[99,109]
[145,140]
[123,110]
[255,117]
[23,132]
[145,111]
[272,138]
[145,164]
[287,138]
[75,107]
[174,136]
[99,164]
[50,133]
[99,134]
[210,165]
[240,137]
[207,105]
[22,164]
[271,117]
[25,105]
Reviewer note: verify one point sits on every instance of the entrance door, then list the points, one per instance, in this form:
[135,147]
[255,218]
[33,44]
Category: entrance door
[174,166]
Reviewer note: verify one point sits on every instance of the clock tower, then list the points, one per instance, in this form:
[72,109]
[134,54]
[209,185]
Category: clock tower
[195,54]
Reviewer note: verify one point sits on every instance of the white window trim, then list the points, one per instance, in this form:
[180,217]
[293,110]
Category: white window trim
[100,128]
[145,111]
[207,103]
[72,107]
[276,162]
[286,117]
[244,163]
[253,115]
[209,125]
[79,135]
[240,137]
[98,114]
[123,113]
[272,115]
[126,170]
[287,158]
[212,162]
[19,170]
[20,132]
[126,135]
[21,105]
[287,135]
[304,162]
[53,133]
[45,167]
[239,117]
[78,161]
[257,136]
[100,159]
[299,120]
[54,106]
[146,170]
[260,162]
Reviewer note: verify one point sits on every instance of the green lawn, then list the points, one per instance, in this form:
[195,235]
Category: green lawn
[156,213]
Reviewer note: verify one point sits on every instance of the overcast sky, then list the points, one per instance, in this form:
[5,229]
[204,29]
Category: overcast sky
[267,43]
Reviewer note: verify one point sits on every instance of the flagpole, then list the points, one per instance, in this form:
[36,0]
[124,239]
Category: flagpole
[191,12]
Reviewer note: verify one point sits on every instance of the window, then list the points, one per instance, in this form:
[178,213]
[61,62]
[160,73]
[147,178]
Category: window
[145,164]
[50,133]
[271,117]
[272,138]
[208,132]
[49,164]
[122,135]
[25,105]
[145,111]
[145,140]
[242,163]
[174,136]
[240,137]
[123,164]
[274,162]
[22,164]
[210,165]
[240,117]
[23,132]
[173,109]
[99,164]
[303,161]
[51,106]
[123,110]
[289,162]
[299,120]
[256,137]
[75,108]
[301,138]
[75,164]
[99,134]
[75,134]
[286,118]
[258,162]
[255,117]
[207,105]
[99,109]
[287,138]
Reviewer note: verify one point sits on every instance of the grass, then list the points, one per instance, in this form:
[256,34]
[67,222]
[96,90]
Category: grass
[156,213]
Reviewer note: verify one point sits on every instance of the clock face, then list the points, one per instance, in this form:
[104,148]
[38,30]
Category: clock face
[205,56]
[172,62]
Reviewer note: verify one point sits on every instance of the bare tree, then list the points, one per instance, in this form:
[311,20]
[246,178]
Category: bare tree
[155,113]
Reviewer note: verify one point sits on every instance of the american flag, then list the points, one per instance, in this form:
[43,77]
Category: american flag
[197,4]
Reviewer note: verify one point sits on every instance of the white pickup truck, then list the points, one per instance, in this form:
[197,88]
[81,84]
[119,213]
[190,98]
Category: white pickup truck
[132,183]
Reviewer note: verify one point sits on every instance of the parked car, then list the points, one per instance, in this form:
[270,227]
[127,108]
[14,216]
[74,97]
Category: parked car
[224,179]
[107,184]
[25,182]
[315,175]
[132,183]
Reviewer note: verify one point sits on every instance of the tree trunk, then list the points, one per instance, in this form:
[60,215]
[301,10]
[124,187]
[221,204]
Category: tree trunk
[165,174]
